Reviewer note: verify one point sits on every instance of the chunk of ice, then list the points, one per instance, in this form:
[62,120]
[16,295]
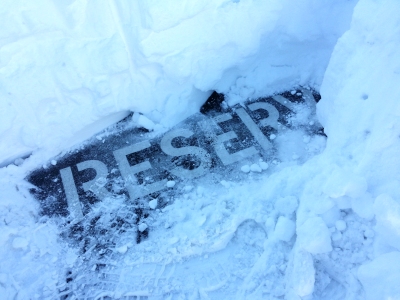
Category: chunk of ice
[170,183]
[142,227]
[284,229]
[245,168]
[153,203]
[255,168]
[263,165]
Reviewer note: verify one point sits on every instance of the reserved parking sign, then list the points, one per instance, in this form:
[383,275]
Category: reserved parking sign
[146,171]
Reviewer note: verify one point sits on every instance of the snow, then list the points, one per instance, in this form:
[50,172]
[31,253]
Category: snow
[20,243]
[387,213]
[143,121]
[381,277]
[321,221]
[255,168]
[142,227]
[170,183]
[286,205]
[314,236]
[245,169]
[263,165]
[153,203]
[284,229]
[340,225]
[363,206]
[302,275]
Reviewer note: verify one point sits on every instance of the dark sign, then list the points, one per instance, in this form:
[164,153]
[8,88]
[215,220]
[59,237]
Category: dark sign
[145,171]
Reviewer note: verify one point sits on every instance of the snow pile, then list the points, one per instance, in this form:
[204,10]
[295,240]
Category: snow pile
[360,113]
[327,229]
[67,65]
[30,262]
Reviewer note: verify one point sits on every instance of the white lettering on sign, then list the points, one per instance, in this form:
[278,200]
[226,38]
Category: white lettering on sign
[283,101]
[273,114]
[168,149]
[95,185]
[128,172]
[200,159]
[220,149]
[74,205]
[255,131]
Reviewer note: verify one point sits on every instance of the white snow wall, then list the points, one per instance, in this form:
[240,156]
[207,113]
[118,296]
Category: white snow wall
[360,110]
[69,68]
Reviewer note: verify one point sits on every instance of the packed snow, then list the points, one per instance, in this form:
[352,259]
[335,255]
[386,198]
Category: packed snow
[325,227]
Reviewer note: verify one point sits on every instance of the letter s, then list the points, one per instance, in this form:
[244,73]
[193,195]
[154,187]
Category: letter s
[168,149]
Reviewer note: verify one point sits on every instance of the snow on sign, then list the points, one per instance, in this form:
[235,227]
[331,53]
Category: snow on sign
[114,181]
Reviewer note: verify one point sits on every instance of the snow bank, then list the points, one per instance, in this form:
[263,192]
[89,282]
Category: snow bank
[360,109]
[360,112]
[66,65]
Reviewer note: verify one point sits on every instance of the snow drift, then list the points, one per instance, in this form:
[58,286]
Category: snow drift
[66,66]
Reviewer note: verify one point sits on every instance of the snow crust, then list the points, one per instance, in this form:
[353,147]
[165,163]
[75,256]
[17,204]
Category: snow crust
[327,229]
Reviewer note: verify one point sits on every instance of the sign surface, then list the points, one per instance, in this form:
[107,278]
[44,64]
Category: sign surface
[113,181]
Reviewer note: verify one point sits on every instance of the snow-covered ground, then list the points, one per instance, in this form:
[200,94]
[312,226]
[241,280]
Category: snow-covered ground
[325,229]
